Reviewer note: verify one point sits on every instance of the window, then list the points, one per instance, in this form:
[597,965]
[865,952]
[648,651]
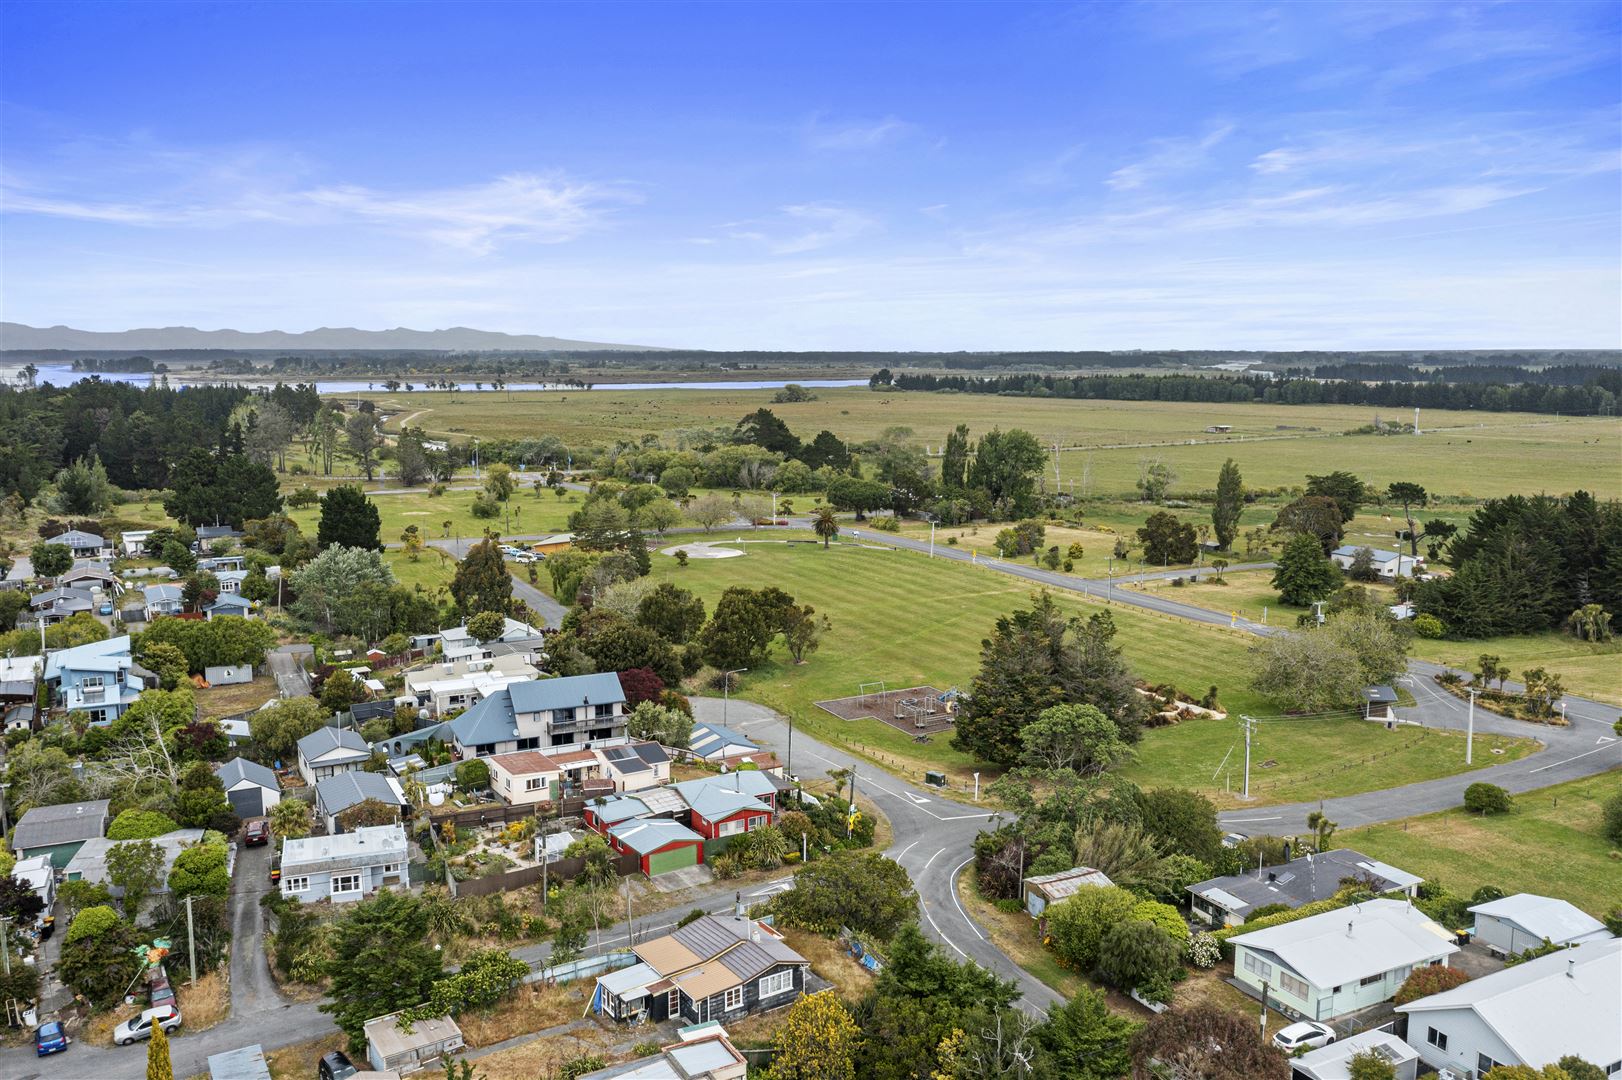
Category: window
[1372,979]
[1613,1068]
[345,883]
[534,783]
[391,868]
[92,682]
[1484,1063]
[529,744]
[733,999]
[1436,1038]
[1258,967]
[602,711]
[296,884]
[1293,985]
[728,828]
[779,982]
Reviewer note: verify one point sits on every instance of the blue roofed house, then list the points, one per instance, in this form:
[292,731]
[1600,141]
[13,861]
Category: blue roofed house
[543,714]
[229,604]
[99,679]
[83,545]
[1388,564]
[162,600]
[328,751]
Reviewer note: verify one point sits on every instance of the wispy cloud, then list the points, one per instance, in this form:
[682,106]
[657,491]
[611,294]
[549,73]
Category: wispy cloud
[824,134]
[1167,157]
[828,224]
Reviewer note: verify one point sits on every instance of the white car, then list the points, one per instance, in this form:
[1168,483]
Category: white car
[140,1027]
[1306,1035]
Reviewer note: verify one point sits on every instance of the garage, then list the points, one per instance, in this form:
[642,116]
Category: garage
[251,788]
[659,844]
[674,858]
[248,802]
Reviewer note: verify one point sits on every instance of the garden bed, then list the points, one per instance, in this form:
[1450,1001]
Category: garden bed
[1513,706]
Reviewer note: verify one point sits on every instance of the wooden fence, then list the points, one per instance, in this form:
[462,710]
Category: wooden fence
[560,870]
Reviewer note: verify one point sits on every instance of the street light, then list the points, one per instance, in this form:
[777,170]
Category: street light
[726,690]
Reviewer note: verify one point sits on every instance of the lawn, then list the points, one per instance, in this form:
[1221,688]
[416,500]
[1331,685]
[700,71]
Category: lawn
[219,701]
[432,570]
[910,620]
[429,513]
[1592,670]
[1275,445]
[1549,843]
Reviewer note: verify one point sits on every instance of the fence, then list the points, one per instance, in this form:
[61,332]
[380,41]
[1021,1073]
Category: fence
[560,870]
[584,968]
[502,814]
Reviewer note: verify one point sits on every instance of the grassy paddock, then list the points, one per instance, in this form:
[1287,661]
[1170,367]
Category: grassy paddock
[1589,669]
[1549,843]
[430,512]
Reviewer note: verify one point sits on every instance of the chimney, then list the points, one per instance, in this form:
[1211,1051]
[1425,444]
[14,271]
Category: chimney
[1348,928]
[1571,969]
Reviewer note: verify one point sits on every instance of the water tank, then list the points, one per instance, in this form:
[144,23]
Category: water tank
[436,798]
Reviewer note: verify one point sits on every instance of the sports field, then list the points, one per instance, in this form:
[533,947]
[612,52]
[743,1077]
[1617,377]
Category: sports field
[1471,453]
[909,621]
[524,514]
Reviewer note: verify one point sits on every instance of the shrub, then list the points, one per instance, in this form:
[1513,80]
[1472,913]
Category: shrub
[1203,951]
[1429,626]
[1077,926]
[133,824]
[1611,826]
[1137,955]
[485,507]
[1367,1065]
[471,775]
[1426,981]
[1483,798]
[1165,917]
[1265,910]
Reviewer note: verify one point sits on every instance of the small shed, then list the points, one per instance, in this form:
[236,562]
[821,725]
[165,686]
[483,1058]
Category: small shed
[1333,1062]
[1378,703]
[1513,924]
[1045,889]
[390,1046]
[251,788]
[247,1063]
[228,674]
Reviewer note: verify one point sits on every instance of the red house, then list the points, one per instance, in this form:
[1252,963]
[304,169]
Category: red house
[719,811]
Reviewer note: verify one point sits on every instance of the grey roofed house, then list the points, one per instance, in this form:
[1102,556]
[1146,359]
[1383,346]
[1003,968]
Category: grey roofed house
[714,741]
[217,532]
[65,823]
[239,769]
[338,793]
[157,594]
[762,785]
[1350,551]
[229,604]
[246,1063]
[1300,881]
[78,541]
[540,695]
[1513,924]
[324,740]
[89,863]
[633,758]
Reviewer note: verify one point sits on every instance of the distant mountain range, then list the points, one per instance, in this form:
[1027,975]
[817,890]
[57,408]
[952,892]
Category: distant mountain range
[455,339]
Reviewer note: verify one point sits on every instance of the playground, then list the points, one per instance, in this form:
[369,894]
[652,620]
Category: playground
[919,711]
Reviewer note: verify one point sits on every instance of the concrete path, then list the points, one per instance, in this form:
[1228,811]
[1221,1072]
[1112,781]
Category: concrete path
[253,990]
[287,665]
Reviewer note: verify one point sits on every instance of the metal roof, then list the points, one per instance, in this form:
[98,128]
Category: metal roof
[1067,883]
[647,835]
[1543,917]
[540,695]
[1351,943]
[46,826]
[324,740]
[1300,881]
[628,983]
[715,803]
[239,769]
[247,1063]
[71,659]
[1331,1062]
[708,740]
[381,840]
[387,1036]
[338,793]
[1380,554]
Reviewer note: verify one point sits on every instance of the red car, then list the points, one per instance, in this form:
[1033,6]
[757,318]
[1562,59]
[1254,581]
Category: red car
[256,832]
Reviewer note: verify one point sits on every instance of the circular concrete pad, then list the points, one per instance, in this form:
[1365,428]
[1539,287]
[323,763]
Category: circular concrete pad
[702,551]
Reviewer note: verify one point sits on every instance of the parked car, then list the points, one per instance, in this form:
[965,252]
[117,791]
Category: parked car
[256,833]
[106,608]
[133,1031]
[336,1066]
[1306,1035]
[160,992]
[49,1038]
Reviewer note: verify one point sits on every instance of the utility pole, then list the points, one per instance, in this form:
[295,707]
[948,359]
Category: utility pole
[1264,1010]
[726,691]
[5,940]
[191,942]
[1249,726]
[852,809]
[630,927]
[1470,737]
[932,538]
[789,766]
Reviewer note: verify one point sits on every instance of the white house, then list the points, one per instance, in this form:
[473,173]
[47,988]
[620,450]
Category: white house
[524,778]
[328,751]
[1344,960]
[1333,1062]
[252,788]
[1567,1002]
[1524,921]
[446,688]
[132,544]
[1388,564]
[83,545]
[346,866]
[39,875]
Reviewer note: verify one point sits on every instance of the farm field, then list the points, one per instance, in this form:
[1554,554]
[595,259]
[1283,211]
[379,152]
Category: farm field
[1550,837]
[430,512]
[1480,454]
[907,620]
[1589,669]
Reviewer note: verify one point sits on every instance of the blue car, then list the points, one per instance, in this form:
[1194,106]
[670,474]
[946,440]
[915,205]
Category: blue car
[50,1039]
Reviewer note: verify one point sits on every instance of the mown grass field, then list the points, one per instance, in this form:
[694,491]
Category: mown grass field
[1480,454]
[908,620]
[529,515]
[1592,670]
[1549,843]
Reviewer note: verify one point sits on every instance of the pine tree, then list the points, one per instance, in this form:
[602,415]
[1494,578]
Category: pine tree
[1230,503]
[158,1066]
[1303,574]
[349,519]
[482,582]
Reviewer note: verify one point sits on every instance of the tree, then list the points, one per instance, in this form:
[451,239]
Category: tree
[677,480]
[482,582]
[710,511]
[200,870]
[661,724]
[1591,622]
[1167,540]
[1303,575]
[1322,829]
[487,625]
[802,630]
[83,487]
[410,459]
[50,560]
[1125,853]
[856,889]
[1315,515]
[499,483]
[1074,737]
[1368,1065]
[381,962]
[817,1041]
[1077,925]
[200,801]
[1362,568]
[1005,467]
[1183,821]
[1409,496]
[349,519]
[827,450]
[825,525]
[167,661]
[1307,671]
[672,612]
[658,516]
[343,590]
[1483,798]
[1135,954]
[1154,477]
[1428,980]
[19,902]
[1229,505]
[98,958]
[1205,1042]
[740,629]
[362,440]
[1086,1040]
[1348,492]
[1578,1069]
[411,539]
[138,824]
[290,819]
[136,868]
[277,730]
[859,495]
[763,428]
[158,1066]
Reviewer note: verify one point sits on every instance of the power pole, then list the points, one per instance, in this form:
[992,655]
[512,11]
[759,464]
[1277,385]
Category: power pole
[630,927]
[1249,727]
[789,767]
[191,941]
[852,808]
[1470,737]
[5,941]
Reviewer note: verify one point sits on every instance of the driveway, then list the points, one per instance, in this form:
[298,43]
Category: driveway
[287,665]
[253,990]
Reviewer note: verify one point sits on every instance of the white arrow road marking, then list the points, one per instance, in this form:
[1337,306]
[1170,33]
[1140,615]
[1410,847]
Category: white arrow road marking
[776,886]
[1604,739]
[915,798]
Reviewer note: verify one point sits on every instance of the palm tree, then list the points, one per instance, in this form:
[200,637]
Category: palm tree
[825,525]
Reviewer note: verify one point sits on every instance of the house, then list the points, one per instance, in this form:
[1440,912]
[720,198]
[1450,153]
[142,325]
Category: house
[448,688]
[543,714]
[19,679]
[524,777]
[230,580]
[1388,564]
[1341,961]
[704,1053]
[720,811]
[344,866]
[551,545]
[457,644]
[83,545]
[19,718]
[634,766]
[207,534]
[59,831]
[660,845]
[252,788]
[712,742]
[54,605]
[132,544]
[405,1048]
[98,679]
[338,793]
[38,874]
[245,1063]
[229,604]
[714,968]
[1378,703]
[1045,889]
[93,578]
[1228,901]
[1333,1062]
[162,600]
[603,813]
[1567,1002]
[220,565]
[1524,921]
[764,786]
[328,751]
[89,863]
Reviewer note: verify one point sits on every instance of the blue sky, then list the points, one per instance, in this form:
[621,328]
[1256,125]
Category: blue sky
[940,176]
